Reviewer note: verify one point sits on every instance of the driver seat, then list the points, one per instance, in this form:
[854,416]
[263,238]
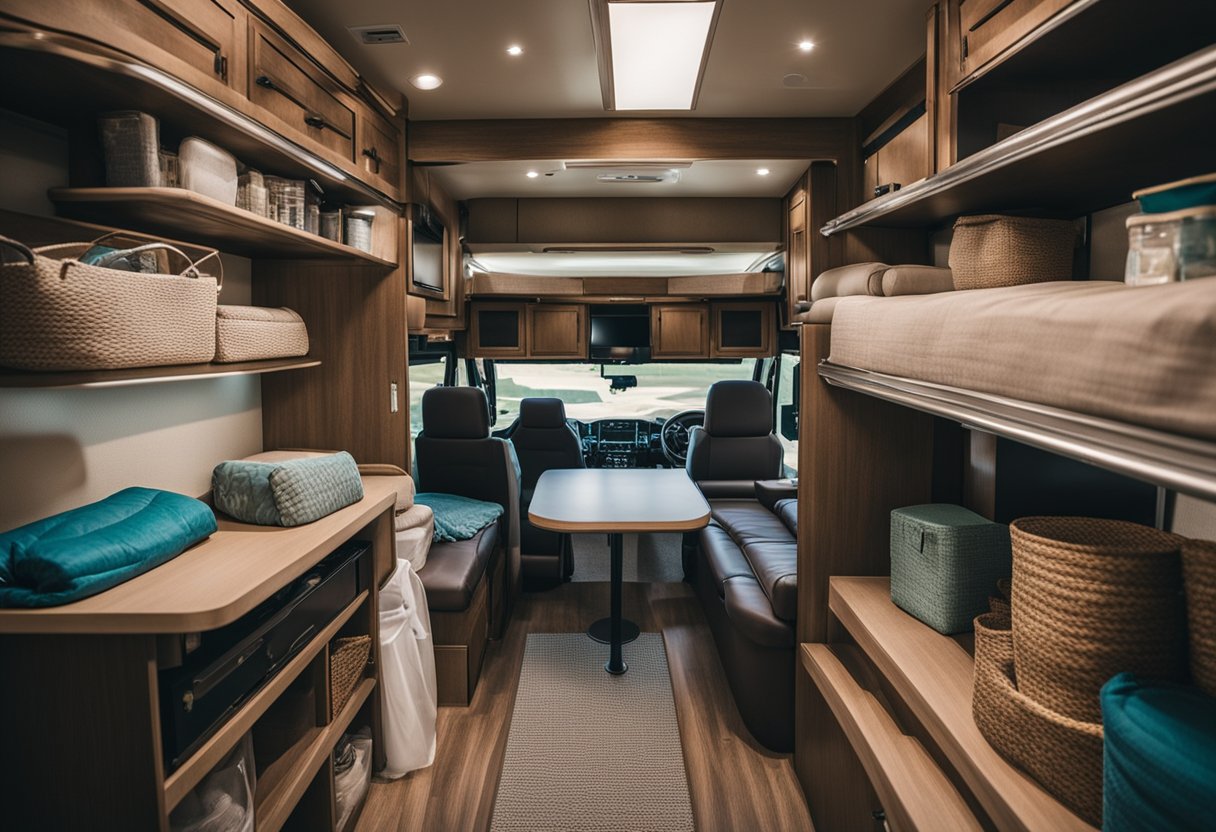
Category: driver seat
[736,445]
[543,441]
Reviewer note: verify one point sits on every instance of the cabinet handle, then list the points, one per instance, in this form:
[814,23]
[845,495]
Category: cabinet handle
[374,155]
[312,119]
[221,66]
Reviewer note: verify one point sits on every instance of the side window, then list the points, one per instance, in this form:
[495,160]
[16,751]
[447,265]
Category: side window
[788,386]
[424,374]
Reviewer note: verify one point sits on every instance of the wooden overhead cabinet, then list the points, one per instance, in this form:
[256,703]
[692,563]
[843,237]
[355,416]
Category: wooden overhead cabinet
[378,148]
[742,330]
[679,330]
[498,330]
[988,28]
[557,331]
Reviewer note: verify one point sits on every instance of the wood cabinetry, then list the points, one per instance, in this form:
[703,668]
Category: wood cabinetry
[901,161]
[989,27]
[679,330]
[807,253]
[557,331]
[741,330]
[378,148]
[498,330]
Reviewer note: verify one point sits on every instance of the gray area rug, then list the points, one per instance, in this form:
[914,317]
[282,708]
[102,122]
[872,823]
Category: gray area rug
[590,751]
[646,558]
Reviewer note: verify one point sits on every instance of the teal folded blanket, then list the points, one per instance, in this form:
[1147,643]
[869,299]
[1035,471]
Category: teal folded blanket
[84,551]
[456,517]
[289,493]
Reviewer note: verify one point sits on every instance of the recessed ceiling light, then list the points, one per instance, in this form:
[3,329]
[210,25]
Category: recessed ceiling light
[762,171]
[532,174]
[515,50]
[806,46]
[426,81]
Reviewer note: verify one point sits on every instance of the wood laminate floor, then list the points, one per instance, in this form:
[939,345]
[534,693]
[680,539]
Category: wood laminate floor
[735,784]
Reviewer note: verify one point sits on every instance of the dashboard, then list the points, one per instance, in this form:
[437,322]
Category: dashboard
[621,443]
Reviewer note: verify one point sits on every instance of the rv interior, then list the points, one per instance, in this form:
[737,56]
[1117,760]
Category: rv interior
[607,415]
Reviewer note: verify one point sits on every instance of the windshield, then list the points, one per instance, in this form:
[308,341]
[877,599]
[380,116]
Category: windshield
[662,390]
[422,378]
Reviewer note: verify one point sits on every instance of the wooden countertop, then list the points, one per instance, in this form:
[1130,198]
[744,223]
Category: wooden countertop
[612,500]
[213,583]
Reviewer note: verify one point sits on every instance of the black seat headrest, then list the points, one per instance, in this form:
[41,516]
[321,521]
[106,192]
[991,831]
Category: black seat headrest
[455,413]
[738,408]
[542,413]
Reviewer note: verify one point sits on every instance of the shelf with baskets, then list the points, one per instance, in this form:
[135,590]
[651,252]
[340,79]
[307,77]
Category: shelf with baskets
[1094,155]
[931,674]
[195,218]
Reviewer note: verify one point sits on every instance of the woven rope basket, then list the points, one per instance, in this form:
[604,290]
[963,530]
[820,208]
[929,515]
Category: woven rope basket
[990,250]
[1064,755]
[1199,577]
[254,333]
[1090,599]
[347,658]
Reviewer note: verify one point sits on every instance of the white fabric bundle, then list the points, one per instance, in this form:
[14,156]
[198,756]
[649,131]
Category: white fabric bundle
[407,671]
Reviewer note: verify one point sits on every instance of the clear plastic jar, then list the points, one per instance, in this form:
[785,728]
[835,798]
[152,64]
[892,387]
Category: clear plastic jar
[1163,248]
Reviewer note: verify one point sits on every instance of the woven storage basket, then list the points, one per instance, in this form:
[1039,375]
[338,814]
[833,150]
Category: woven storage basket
[1199,578]
[1093,598]
[347,658]
[945,561]
[1064,755]
[61,314]
[253,333]
[990,250]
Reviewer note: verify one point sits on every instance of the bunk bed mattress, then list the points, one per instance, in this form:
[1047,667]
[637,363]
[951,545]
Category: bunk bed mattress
[1140,355]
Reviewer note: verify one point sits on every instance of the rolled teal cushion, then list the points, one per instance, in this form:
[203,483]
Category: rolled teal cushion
[84,551]
[1159,768]
[456,517]
[289,493]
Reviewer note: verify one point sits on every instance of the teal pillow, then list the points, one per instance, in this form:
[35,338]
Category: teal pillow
[1159,767]
[289,493]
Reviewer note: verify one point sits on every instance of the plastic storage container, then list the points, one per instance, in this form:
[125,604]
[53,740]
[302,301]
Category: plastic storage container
[223,801]
[330,225]
[169,177]
[207,170]
[286,198]
[359,229]
[1164,248]
[352,774]
[131,142]
[945,562]
[251,194]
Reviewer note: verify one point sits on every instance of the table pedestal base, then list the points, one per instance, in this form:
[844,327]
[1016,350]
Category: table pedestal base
[601,631]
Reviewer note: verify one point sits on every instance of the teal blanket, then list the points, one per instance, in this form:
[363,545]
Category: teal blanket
[289,493]
[84,551]
[456,517]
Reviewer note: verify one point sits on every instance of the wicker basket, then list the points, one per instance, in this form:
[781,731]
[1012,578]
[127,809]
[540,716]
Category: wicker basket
[347,658]
[1064,755]
[1199,578]
[1093,598]
[990,250]
[255,333]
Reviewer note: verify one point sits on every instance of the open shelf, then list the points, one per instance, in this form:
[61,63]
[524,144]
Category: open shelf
[284,782]
[1145,132]
[915,793]
[932,675]
[148,375]
[1178,462]
[200,219]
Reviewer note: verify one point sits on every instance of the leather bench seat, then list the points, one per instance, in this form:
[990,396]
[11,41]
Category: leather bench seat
[455,568]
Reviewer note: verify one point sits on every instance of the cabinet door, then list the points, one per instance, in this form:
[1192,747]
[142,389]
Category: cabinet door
[679,330]
[498,330]
[742,330]
[557,331]
[286,83]
[797,267]
[378,148]
[904,159]
[989,27]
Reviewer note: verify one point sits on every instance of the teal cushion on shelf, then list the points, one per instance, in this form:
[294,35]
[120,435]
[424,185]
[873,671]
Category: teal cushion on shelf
[84,551]
[1160,756]
[456,517]
[288,493]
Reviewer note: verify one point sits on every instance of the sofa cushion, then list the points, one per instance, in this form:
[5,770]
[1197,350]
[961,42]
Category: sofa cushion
[787,510]
[748,521]
[453,570]
[751,614]
[775,565]
[723,556]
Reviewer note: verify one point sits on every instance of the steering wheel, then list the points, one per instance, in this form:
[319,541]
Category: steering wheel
[674,436]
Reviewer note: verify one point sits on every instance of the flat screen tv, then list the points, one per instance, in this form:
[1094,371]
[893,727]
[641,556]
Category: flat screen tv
[428,257]
[620,332]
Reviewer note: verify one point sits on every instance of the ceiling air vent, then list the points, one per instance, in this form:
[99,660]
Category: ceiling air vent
[375,35]
[639,178]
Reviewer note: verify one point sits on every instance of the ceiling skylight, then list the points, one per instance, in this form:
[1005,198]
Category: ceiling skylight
[656,52]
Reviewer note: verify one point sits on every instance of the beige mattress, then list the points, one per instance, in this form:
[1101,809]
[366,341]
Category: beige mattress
[1143,355]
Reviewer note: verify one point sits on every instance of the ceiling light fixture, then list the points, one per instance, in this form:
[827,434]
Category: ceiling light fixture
[652,55]
[515,50]
[532,174]
[806,45]
[762,171]
[426,81]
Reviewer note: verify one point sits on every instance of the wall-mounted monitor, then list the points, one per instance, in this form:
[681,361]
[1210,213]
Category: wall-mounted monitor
[620,332]
[428,252]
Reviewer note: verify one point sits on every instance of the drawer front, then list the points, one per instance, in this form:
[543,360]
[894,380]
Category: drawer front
[378,149]
[989,27]
[208,34]
[282,80]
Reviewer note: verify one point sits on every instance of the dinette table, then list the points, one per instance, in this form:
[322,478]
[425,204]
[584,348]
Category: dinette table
[616,502]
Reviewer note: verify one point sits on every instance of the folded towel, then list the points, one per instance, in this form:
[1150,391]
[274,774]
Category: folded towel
[456,517]
[289,493]
[84,551]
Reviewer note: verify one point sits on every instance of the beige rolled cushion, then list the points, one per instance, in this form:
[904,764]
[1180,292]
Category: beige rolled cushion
[916,280]
[821,311]
[415,530]
[254,333]
[857,279]
[1141,355]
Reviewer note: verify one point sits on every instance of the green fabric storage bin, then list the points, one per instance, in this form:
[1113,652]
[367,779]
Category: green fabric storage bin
[945,563]
[1159,770]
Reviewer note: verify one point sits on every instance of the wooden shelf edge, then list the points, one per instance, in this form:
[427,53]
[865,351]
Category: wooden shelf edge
[188,775]
[59,380]
[915,793]
[273,808]
[932,674]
